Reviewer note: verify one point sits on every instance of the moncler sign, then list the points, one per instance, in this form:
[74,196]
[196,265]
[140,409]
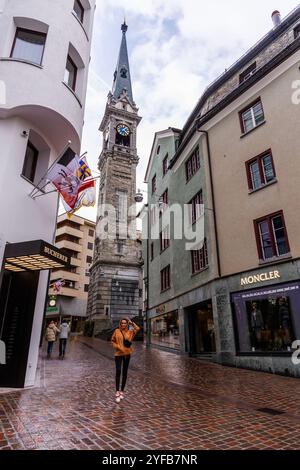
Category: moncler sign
[262,277]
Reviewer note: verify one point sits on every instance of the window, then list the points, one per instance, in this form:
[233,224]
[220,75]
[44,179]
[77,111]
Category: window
[297,31]
[90,246]
[30,162]
[158,150]
[163,201]
[68,223]
[192,165]
[87,273]
[252,116]
[91,232]
[260,170]
[154,184]
[70,74]
[199,259]
[152,252]
[164,237]
[165,278]
[121,209]
[267,322]
[248,72]
[271,236]
[153,215]
[165,330]
[86,287]
[196,207]
[165,165]
[119,247]
[78,10]
[89,259]
[29,45]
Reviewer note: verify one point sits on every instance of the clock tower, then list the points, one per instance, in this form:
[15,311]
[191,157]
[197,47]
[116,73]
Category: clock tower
[115,281]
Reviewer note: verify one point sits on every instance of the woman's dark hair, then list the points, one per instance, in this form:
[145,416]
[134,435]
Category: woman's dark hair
[124,319]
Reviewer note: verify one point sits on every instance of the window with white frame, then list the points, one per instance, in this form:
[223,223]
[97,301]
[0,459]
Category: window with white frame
[260,170]
[252,116]
[271,236]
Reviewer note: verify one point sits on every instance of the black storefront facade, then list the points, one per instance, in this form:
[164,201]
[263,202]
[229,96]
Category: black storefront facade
[19,280]
[258,318]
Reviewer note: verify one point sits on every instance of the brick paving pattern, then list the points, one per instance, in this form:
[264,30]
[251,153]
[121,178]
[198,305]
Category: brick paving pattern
[172,403]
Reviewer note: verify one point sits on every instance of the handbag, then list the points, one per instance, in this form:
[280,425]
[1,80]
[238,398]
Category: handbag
[126,342]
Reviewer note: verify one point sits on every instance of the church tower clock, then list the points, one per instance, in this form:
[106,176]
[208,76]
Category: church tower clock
[116,270]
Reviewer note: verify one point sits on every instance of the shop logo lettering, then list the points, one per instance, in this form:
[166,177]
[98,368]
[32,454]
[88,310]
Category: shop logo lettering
[260,278]
[296,354]
[2,353]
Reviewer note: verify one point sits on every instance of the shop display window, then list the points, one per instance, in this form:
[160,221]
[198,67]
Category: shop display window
[267,320]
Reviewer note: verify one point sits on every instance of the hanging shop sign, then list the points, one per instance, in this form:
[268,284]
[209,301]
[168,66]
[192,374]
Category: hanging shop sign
[35,255]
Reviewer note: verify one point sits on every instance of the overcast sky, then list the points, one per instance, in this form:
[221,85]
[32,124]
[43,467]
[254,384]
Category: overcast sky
[176,48]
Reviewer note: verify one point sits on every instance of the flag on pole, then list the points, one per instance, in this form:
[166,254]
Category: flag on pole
[87,189]
[84,169]
[65,175]
[57,285]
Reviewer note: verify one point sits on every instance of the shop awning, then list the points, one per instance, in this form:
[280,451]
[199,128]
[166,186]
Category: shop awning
[36,255]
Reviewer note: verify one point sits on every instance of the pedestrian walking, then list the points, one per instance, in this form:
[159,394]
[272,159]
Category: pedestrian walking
[122,340]
[50,336]
[63,337]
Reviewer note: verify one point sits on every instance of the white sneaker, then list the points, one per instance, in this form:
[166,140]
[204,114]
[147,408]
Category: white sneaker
[118,397]
[122,395]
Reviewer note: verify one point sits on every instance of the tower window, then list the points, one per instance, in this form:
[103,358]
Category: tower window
[123,72]
[29,45]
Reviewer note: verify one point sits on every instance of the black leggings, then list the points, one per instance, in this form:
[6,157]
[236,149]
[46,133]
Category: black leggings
[119,361]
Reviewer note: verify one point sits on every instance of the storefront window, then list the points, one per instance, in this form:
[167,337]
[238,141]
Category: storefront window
[267,320]
[165,330]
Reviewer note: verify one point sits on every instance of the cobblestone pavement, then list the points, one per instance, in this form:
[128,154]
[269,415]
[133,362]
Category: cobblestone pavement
[172,402]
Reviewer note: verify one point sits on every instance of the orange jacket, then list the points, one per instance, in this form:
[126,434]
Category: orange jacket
[117,340]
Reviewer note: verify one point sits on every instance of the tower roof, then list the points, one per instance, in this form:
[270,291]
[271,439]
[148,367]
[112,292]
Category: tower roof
[122,78]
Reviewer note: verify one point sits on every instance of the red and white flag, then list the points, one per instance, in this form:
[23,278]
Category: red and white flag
[87,189]
[65,175]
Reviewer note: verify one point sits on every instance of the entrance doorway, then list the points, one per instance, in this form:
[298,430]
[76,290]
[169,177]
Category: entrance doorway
[201,329]
[17,304]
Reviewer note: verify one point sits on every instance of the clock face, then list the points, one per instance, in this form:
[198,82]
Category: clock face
[123,130]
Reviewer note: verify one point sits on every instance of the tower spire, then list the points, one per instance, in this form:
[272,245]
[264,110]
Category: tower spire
[122,80]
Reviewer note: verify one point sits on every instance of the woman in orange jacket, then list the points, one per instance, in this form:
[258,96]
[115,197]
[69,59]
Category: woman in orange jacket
[121,341]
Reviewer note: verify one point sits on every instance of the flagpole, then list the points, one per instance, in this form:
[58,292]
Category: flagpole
[36,188]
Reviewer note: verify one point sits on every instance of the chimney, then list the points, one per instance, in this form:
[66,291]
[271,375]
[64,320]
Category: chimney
[276,18]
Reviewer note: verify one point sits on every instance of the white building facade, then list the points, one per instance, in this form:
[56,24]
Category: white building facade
[44,60]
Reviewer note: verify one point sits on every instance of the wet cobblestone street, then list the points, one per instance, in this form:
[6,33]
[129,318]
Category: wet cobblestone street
[172,402]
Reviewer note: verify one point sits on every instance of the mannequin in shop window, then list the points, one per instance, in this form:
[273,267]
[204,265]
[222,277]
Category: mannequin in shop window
[257,324]
[284,319]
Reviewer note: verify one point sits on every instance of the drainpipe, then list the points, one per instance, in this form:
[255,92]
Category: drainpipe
[213,199]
